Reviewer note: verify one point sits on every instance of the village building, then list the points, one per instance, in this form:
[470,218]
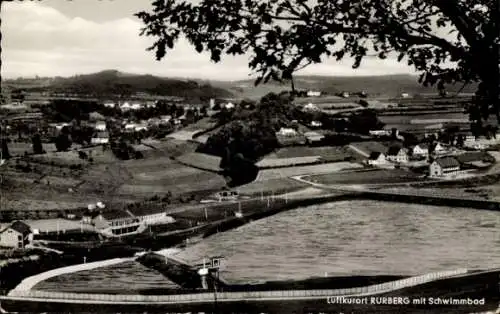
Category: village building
[376,159]
[440,149]
[109,105]
[313,137]
[100,126]
[446,166]
[365,149]
[475,160]
[310,107]
[125,106]
[397,154]
[380,132]
[421,150]
[313,93]
[287,132]
[100,138]
[151,216]
[116,223]
[316,124]
[16,235]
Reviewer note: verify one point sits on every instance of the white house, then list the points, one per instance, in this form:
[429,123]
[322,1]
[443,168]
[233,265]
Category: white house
[397,154]
[440,149]
[151,216]
[125,106]
[117,223]
[405,95]
[287,132]
[316,124]
[313,93]
[229,105]
[380,132]
[421,150]
[100,138]
[136,106]
[310,107]
[165,118]
[16,235]
[100,126]
[345,94]
[376,159]
[109,105]
[446,166]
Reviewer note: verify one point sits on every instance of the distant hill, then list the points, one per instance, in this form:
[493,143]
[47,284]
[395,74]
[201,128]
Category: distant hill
[112,82]
[383,86]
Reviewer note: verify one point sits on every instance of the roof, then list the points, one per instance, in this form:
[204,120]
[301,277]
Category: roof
[56,224]
[369,147]
[447,162]
[422,146]
[20,227]
[101,135]
[146,210]
[374,155]
[115,214]
[393,151]
[470,157]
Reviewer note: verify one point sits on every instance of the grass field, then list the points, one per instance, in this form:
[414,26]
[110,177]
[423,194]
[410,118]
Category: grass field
[327,169]
[365,177]
[272,186]
[18,148]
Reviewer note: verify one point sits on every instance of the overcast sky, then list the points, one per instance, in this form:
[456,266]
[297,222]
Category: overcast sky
[64,38]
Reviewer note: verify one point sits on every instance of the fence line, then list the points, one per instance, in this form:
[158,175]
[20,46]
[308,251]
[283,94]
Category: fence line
[228,296]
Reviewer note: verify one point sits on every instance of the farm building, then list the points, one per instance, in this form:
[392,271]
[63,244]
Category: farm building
[446,166]
[115,223]
[376,159]
[365,149]
[439,148]
[16,235]
[397,154]
[475,160]
[310,107]
[421,150]
[313,93]
[151,216]
[100,126]
[313,137]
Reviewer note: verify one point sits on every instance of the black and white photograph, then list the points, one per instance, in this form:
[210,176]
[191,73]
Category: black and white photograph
[250,156]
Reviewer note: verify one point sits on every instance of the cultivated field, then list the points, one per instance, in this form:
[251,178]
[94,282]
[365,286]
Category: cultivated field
[201,161]
[325,153]
[366,177]
[149,177]
[327,168]
[287,162]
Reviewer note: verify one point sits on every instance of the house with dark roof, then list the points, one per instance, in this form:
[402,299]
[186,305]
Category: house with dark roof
[365,149]
[397,154]
[446,166]
[475,160]
[16,235]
